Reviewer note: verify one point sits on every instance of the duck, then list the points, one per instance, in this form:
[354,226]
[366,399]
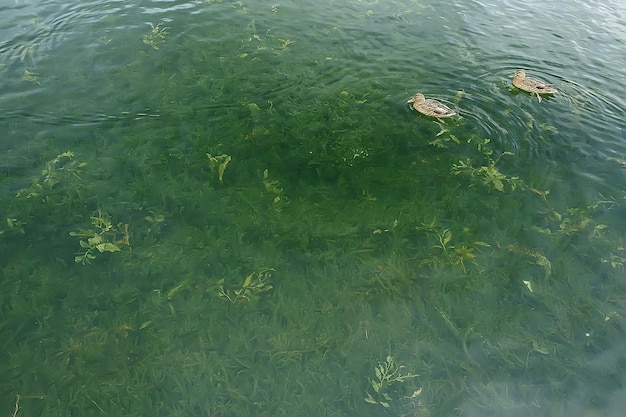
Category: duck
[532,85]
[430,107]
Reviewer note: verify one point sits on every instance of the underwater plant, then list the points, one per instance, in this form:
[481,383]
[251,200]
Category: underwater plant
[218,164]
[156,36]
[104,237]
[253,285]
[388,384]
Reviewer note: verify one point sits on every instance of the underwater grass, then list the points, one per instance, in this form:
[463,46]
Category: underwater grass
[415,275]
[496,294]
[289,334]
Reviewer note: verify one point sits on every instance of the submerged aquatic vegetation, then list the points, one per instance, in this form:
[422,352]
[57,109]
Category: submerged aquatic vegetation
[156,36]
[31,76]
[500,303]
[13,225]
[448,251]
[488,173]
[218,164]
[55,194]
[156,221]
[61,170]
[103,237]
[253,285]
[390,384]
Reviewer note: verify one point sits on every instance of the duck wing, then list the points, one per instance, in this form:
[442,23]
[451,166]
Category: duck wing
[534,85]
[435,108]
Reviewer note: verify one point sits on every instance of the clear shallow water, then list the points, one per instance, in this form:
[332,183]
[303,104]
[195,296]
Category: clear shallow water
[345,227]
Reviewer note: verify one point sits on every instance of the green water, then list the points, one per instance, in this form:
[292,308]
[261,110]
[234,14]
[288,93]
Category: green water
[219,208]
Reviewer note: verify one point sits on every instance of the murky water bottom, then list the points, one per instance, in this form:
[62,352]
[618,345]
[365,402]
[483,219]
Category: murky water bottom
[222,208]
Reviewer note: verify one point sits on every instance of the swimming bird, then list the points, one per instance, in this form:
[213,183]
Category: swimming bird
[532,85]
[430,107]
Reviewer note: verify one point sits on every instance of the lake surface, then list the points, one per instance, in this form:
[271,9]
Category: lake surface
[220,208]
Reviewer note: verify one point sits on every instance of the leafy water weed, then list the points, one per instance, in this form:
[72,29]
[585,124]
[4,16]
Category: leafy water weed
[13,226]
[61,170]
[253,285]
[104,237]
[456,253]
[156,36]
[218,164]
[389,383]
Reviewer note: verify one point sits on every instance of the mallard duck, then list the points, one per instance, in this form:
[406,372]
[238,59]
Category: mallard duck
[532,85]
[430,107]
